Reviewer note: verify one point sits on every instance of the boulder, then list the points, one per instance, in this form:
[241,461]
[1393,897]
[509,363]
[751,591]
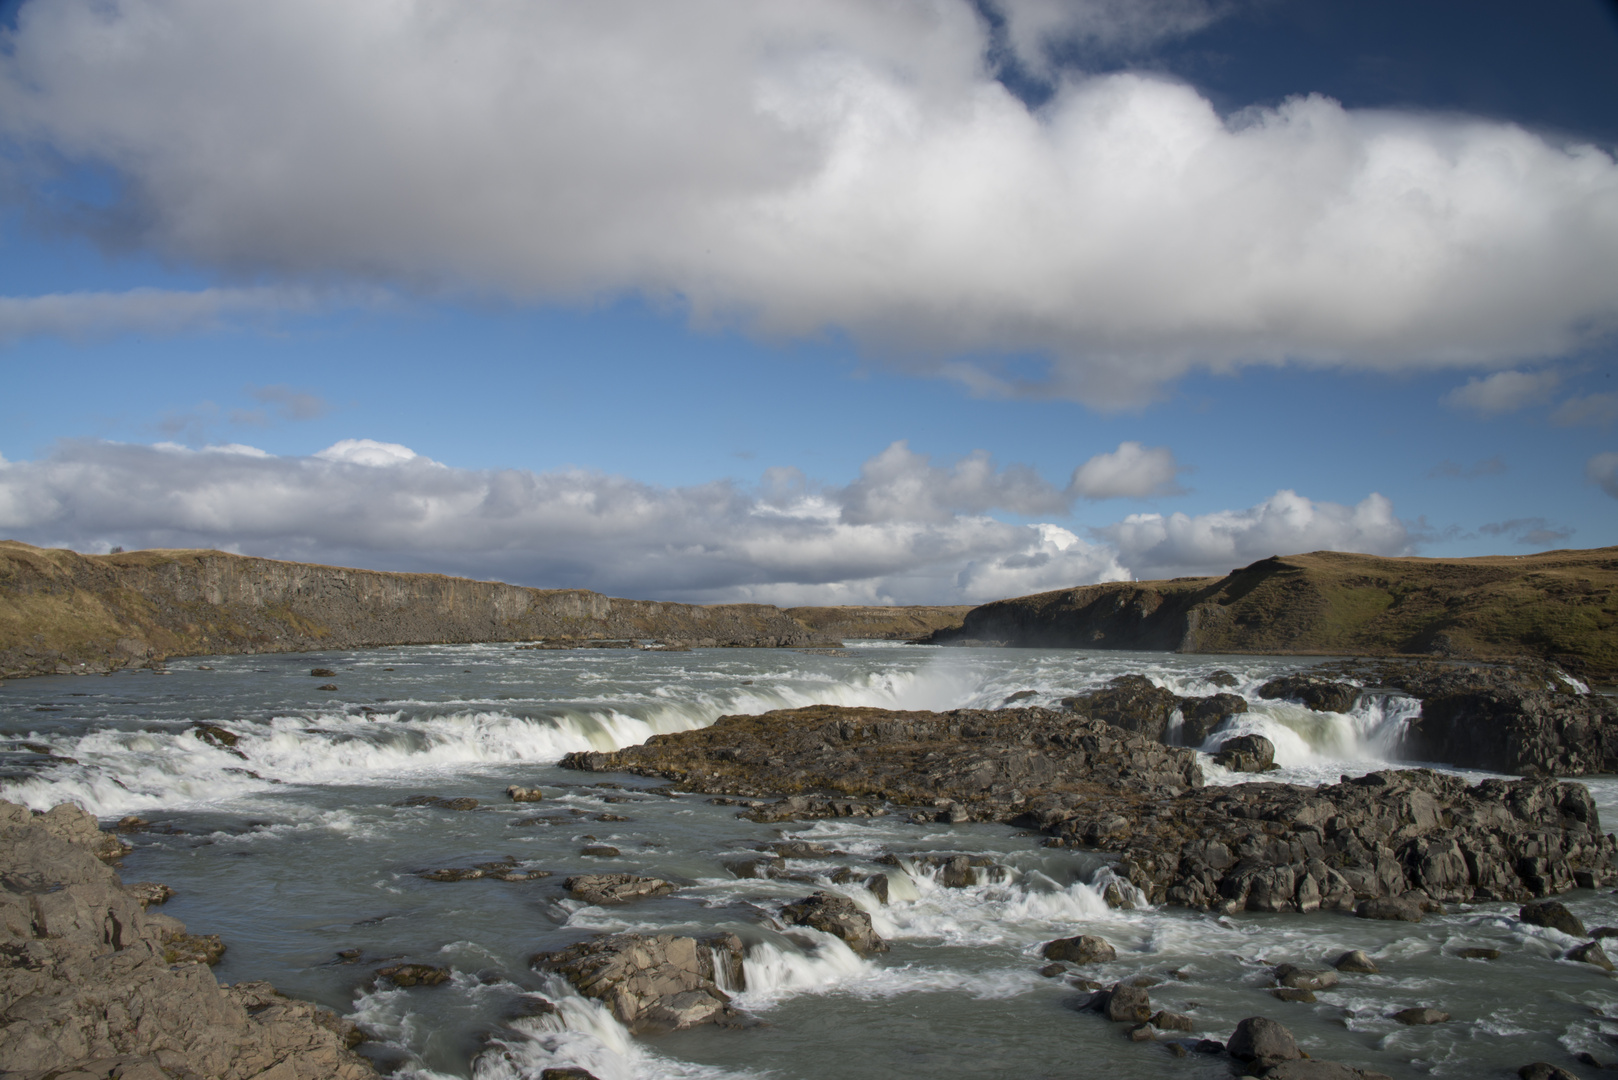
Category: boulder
[838,916]
[1126,1003]
[1319,694]
[1201,716]
[766,866]
[1167,1021]
[599,851]
[1302,978]
[1246,753]
[615,888]
[1083,949]
[1262,1040]
[1552,914]
[1294,994]
[524,794]
[1389,909]
[1356,962]
[1541,1070]
[1476,952]
[567,1073]
[654,983]
[322,672]
[1591,953]
[1418,1017]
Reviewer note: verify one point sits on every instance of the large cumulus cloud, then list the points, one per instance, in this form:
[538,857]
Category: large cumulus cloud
[906,531]
[791,167]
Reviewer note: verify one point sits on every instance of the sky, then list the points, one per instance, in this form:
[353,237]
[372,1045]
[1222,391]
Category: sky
[891,301]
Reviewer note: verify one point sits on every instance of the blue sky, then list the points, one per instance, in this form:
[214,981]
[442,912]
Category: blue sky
[907,302]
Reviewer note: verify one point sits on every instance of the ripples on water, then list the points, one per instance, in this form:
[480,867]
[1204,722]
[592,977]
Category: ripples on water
[290,845]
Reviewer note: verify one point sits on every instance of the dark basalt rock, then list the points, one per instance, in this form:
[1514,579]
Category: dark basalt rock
[1302,978]
[568,1073]
[1131,702]
[1553,914]
[1088,784]
[1356,962]
[219,738]
[414,975]
[439,802]
[1477,952]
[838,916]
[1246,753]
[654,984]
[1321,695]
[1419,1017]
[322,672]
[1591,953]
[1389,909]
[1201,716]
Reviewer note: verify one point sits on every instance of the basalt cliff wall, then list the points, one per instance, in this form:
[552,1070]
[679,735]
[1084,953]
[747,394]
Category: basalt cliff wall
[1560,606]
[63,612]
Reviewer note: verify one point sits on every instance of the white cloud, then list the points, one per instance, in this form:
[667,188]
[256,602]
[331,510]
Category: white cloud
[1036,28]
[1504,391]
[367,503]
[370,453]
[1603,469]
[902,485]
[1155,545]
[1132,470]
[791,167]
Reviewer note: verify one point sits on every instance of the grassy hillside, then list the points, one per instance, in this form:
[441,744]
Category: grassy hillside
[65,612]
[1559,605]
[890,623]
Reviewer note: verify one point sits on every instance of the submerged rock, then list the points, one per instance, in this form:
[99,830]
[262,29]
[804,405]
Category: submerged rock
[1418,1017]
[1356,962]
[439,802]
[414,975]
[654,983]
[524,794]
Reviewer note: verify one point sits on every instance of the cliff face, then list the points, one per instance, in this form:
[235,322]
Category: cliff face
[1560,606]
[65,612]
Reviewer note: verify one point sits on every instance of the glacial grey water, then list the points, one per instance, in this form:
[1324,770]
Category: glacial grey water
[293,848]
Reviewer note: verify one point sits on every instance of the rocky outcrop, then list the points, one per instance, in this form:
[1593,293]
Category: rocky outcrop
[1131,702]
[1246,753]
[1279,847]
[987,760]
[880,623]
[615,888]
[838,916]
[1411,837]
[65,613]
[1557,606]
[88,977]
[654,983]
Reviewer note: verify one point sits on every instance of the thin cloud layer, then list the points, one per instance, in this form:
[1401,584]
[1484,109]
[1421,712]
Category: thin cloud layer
[85,316]
[791,168]
[1603,470]
[367,503]
[1504,391]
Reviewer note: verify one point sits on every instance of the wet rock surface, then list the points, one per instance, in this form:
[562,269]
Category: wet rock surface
[615,888]
[655,983]
[1526,718]
[838,916]
[1402,838]
[93,986]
